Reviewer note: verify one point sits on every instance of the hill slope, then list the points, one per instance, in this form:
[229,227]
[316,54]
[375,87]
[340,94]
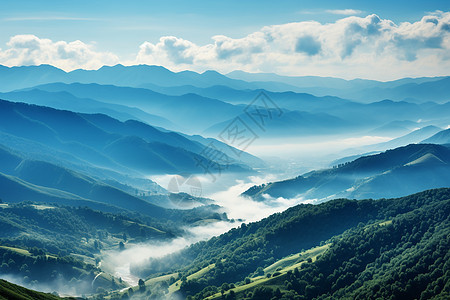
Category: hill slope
[99,139]
[442,137]
[12,291]
[180,110]
[66,101]
[364,237]
[402,258]
[414,137]
[392,173]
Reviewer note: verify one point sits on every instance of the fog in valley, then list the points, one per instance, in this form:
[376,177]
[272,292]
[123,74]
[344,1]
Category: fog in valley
[284,159]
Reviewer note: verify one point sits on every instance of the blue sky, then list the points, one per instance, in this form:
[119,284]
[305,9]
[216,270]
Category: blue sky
[121,28]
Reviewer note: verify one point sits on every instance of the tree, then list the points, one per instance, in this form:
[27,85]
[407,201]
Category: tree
[141,284]
[259,271]
[278,293]
[231,295]
[262,293]
[121,246]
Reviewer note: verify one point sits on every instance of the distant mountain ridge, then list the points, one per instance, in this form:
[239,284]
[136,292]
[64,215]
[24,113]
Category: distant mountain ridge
[420,89]
[414,137]
[103,140]
[442,137]
[28,76]
[173,100]
[37,181]
[180,110]
[396,172]
[304,111]
[66,101]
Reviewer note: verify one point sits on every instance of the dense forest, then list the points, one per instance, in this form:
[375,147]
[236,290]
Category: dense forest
[63,230]
[50,245]
[396,247]
[407,258]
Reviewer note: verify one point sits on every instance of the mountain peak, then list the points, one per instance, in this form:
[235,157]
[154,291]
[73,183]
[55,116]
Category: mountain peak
[427,159]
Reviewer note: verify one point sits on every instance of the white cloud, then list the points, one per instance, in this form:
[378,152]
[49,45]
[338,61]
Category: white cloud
[345,12]
[32,50]
[179,54]
[351,47]
[168,49]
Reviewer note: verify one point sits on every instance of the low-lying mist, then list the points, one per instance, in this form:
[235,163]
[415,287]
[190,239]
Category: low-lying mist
[247,209]
[226,189]
[312,151]
[118,262]
[238,208]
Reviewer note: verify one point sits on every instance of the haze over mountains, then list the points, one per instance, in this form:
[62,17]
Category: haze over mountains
[415,89]
[172,100]
[123,124]
[398,172]
[442,137]
[421,89]
[81,146]
[102,140]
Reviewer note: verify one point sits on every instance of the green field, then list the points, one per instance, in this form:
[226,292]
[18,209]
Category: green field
[18,250]
[281,266]
[176,285]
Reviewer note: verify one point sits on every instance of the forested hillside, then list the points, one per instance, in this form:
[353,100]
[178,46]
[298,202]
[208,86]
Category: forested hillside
[12,291]
[372,244]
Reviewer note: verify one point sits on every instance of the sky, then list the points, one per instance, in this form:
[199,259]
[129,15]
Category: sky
[381,40]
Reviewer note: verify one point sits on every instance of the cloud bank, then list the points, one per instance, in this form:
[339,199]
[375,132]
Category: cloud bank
[29,49]
[351,47]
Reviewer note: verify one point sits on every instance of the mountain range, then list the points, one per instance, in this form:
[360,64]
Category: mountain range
[413,89]
[29,76]
[24,179]
[106,142]
[171,100]
[78,149]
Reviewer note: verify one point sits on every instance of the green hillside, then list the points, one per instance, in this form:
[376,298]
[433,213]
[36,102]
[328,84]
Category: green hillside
[367,246]
[10,291]
[405,258]
[75,230]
